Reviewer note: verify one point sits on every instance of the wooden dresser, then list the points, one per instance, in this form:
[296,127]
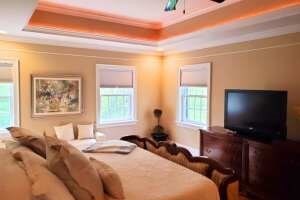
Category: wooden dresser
[268,171]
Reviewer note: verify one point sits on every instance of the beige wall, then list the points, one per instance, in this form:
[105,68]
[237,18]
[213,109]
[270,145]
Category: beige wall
[272,63]
[42,59]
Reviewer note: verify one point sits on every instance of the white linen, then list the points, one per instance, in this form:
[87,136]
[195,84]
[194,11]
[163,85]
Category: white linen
[146,176]
[111,146]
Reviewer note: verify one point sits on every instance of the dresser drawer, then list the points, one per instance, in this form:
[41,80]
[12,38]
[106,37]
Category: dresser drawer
[225,150]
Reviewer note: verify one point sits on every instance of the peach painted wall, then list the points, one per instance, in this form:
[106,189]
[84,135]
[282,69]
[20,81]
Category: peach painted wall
[42,59]
[270,64]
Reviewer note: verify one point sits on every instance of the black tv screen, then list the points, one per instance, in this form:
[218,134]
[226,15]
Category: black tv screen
[256,113]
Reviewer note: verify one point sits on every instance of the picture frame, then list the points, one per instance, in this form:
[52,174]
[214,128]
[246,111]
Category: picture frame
[56,95]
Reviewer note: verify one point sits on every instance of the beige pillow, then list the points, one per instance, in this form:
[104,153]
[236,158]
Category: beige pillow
[74,169]
[65,132]
[14,183]
[45,185]
[85,131]
[22,152]
[29,139]
[111,180]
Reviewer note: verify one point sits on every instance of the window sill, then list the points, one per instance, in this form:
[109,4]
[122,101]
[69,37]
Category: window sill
[117,124]
[190,125]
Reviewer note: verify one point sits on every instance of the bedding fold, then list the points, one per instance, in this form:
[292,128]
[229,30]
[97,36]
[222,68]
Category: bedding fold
[146,176]
[111,146]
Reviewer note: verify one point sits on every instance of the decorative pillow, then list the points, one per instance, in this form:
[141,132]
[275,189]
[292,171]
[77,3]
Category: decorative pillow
[74,169]
[20,153]
[65,132]
[14,183]
[45,185]
[85,131]
[29,139]
[111,180]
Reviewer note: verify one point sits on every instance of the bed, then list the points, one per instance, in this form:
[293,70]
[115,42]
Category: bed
[144,176]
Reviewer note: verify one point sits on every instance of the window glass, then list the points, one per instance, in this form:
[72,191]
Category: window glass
[194,105]
[6,105]
[116,104]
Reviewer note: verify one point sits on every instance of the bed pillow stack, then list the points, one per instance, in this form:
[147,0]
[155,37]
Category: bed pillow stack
[64,167]
[74,169]
[45,185]
[66,132]
[27,138]
[111,181]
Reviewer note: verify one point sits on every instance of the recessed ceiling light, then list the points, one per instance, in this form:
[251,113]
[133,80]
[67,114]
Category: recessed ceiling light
[2,32]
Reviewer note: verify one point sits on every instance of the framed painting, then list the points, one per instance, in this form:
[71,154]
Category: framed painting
[54,95]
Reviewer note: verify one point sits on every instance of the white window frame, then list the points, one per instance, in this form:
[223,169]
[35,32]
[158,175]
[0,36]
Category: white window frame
[14,63]
[179,120]
[98,103]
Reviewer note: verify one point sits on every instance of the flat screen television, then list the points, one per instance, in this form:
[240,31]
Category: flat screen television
[257,114]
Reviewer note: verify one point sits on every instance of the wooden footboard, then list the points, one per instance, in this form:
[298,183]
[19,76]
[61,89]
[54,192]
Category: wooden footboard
[224,178]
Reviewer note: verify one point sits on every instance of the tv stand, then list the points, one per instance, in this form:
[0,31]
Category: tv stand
[266,169]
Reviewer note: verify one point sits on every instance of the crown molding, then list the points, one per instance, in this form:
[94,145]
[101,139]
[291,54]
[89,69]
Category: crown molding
[90,14]
[279,22]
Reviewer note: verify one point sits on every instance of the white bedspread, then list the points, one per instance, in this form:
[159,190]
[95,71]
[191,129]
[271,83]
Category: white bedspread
[146,176]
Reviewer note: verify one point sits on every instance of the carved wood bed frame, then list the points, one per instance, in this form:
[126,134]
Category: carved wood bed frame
[225,178]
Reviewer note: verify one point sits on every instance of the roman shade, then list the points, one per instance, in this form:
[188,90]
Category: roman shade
[6,73]
[195,76]
[116,77]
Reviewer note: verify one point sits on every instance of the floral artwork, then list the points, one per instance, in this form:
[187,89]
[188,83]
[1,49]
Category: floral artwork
[56,96]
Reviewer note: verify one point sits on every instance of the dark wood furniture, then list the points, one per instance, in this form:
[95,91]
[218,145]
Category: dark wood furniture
[266,170]
[225,178]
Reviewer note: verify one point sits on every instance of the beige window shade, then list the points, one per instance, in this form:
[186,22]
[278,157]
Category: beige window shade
[116,78]
[6,73]
[194,76]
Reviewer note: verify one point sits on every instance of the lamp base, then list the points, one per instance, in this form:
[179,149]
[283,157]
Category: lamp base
[159,137]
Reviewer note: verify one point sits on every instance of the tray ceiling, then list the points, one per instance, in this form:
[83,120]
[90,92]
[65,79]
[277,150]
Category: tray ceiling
[151,11]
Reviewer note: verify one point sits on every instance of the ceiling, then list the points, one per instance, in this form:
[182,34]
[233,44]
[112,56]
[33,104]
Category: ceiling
[142,26]
[149,11]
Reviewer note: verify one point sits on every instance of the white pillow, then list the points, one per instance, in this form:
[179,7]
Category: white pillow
[65,132]
[85,131]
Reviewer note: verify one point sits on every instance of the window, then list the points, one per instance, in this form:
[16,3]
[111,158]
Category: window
[116,94]
[6,105]
[194,94]
[9,93]
[116,104]
[194,105]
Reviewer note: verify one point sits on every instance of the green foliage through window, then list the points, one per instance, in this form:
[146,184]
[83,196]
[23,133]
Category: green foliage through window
[194,105]
[116,104]
[6,101]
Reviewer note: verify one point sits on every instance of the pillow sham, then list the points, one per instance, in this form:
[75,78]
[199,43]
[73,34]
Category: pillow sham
[45,185]
[74,169]
[20,153]
[65,132]
[85,131]
[14,183]
[111,181]
[29,139]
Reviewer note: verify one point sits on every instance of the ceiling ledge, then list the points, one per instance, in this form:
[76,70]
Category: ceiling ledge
[90,14]
[275,23]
